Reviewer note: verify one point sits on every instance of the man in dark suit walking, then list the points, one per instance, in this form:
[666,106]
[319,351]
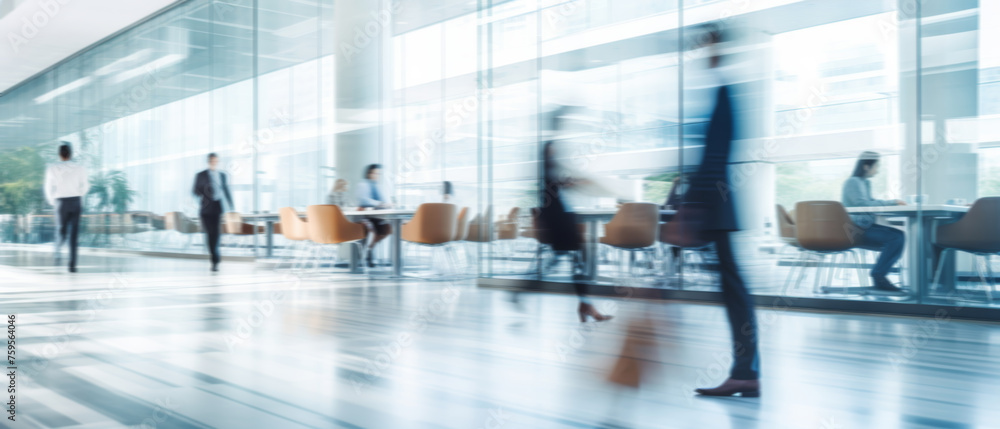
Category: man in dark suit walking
[711,194]
[212,186]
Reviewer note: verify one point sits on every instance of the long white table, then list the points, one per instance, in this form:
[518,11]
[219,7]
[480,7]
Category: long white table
[394,216]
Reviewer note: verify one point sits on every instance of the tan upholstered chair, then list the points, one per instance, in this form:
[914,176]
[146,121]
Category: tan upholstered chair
[139,227]
[696,257]
[462,224]
[538,233]
[786,226]
[535,231]
[177,221]
[825,226]
[479,227]
[978,233]
[507,228]
[327,225]
[434,224]
[233,224]
[787,234]
[462,229]
[294,229]
[634,228]
[505,231]
[242,232]
[824,229]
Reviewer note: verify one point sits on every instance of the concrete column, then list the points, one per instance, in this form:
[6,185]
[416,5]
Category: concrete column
[362,36]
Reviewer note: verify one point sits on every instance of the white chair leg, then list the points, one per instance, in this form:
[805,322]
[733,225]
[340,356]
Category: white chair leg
[803,264]
[981,270]
[859,270]
[819,272]
[832,269]
[362,249]
[456,262]
[990,283]
[940,268]
[791,272]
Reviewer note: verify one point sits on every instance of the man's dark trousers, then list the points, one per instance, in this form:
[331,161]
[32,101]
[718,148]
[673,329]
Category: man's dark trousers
[211,216]
[68,211]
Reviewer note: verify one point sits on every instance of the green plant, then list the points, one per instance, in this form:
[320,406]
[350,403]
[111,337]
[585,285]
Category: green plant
[22,177]
[112,191]
[656,188]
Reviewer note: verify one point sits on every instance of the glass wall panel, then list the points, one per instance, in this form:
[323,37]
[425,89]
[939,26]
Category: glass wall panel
[625,90]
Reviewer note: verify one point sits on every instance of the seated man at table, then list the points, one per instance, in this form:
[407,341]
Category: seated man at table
[888,241]
[370,196]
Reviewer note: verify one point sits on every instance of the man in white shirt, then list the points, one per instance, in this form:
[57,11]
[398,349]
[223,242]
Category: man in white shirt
[65,186]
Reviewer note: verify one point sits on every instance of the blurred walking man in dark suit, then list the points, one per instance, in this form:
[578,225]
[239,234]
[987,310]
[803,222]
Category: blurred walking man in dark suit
[711,194]
[212,186]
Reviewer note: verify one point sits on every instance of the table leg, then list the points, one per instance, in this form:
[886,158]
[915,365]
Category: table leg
[397,248]
[915,237]
[592,248]
[269,228]
[933,259]
[355,261]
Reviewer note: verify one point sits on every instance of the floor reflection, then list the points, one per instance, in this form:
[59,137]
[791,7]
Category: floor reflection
[132,340]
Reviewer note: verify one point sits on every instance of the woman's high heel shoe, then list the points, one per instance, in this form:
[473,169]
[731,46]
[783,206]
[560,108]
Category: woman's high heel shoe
[587,310]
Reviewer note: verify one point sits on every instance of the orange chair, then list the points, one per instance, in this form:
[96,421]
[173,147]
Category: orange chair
[328,225]
[787,234]
[177,221]
[507,226]
[786,226]
[978,233]
[233,225]
[293,228]
[434,225]
[635,228]
[462,225]
[462,231]
[824,229]
[479,227]
[544,242]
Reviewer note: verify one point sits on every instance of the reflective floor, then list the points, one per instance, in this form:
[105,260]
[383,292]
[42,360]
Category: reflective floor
[163,343]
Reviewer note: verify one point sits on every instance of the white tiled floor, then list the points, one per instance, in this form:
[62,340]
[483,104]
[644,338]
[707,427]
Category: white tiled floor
[130,340]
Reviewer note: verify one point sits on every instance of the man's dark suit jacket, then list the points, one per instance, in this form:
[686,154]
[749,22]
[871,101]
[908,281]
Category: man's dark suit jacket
[203,189]
[711,191]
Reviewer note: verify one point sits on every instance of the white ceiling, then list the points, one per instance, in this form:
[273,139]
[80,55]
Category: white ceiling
[38,35]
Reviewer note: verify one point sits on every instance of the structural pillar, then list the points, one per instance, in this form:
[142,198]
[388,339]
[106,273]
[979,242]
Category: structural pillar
[362,42]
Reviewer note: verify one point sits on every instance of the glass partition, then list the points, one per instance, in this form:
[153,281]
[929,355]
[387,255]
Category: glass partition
[295,95]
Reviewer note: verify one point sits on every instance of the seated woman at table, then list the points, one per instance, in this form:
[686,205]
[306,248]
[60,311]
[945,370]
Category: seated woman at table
[886,240]
[339,196]
[447,192]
